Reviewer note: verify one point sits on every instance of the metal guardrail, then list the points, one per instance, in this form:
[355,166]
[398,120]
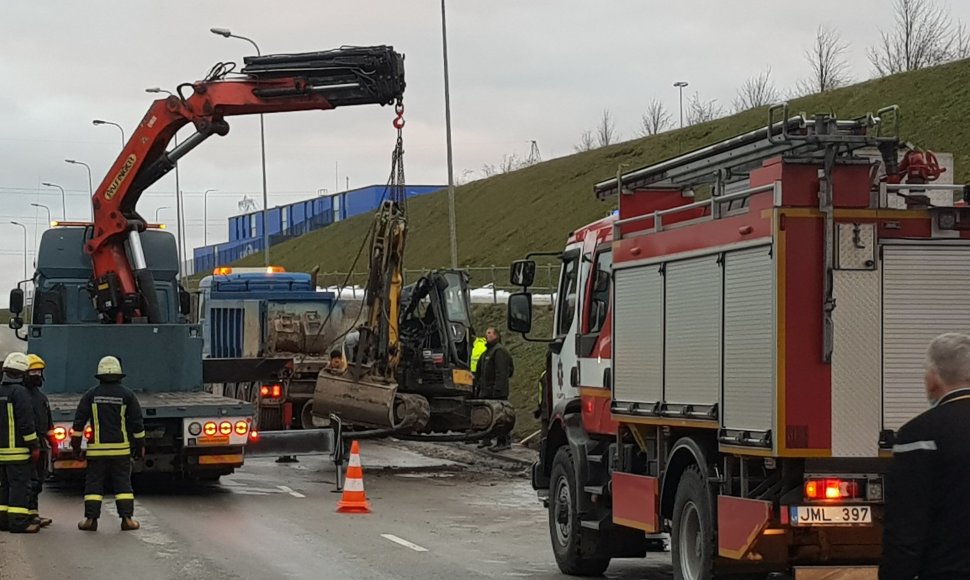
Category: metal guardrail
[494,278]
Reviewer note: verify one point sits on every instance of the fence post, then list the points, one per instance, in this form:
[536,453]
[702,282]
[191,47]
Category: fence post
[494,289]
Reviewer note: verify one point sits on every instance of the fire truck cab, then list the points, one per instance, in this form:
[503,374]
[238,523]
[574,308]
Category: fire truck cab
[733,352]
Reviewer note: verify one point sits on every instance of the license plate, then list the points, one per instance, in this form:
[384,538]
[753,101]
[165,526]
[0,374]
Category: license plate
[214,440]
[219,459]
[831,516]
[70,464]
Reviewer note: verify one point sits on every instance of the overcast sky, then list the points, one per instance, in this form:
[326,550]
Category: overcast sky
[540,70]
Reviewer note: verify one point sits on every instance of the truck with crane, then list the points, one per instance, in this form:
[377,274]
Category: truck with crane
[111,286]
[733,352]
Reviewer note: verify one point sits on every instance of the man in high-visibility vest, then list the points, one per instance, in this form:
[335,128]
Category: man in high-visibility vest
[478,349]
[18,447]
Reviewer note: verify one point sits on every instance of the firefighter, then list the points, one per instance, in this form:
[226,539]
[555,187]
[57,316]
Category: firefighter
[928,486]
[44,423]
[18,447]
[494,371]
[118,433]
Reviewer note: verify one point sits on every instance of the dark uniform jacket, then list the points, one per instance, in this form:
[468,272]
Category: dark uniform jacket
[17,433]
[927,527]
[494,371]
[43,421]
[115,417]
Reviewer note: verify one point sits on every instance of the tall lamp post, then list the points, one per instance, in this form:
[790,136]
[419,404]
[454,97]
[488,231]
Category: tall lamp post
[225,32]
[100,122]
[680,85]
[158,209]
[179,230]
[452,227]
[40,205]
[205,216]
[25,245]
[63,198]
[90,183]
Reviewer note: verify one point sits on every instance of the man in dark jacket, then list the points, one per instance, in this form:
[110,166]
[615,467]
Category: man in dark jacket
[18,447]
[495,368]
[926,535]
[44,423]
[118,433]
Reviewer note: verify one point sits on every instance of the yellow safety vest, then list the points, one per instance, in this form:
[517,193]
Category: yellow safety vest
[478,349]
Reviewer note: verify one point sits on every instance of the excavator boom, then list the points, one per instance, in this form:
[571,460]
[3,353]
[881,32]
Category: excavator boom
[124,289]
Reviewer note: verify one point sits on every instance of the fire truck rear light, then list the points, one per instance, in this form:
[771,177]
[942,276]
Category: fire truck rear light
[60,434]
[271,391]
[210,428]
[242,428]
[225,428]
[88,432]
[254,436]
[831,489]
[277,391]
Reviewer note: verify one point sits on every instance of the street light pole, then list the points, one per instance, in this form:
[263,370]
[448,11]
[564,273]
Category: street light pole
[680,85]
[225,32]
[38,205]
[25,245]
[63,198]
[179,217]
[452,227]
[158,209]
[205,216]
[90,183]
[100,122]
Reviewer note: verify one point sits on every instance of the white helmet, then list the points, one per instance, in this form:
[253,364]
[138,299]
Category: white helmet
[17,362]
[109,366]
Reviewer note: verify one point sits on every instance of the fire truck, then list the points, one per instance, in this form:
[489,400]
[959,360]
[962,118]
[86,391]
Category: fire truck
[734,349]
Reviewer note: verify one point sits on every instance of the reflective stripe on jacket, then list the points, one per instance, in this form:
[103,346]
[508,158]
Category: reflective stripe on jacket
[17,434]
[115,417]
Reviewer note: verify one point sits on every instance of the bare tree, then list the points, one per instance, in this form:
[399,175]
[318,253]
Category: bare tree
[655,120]
[923,36]
[961,42]
[510,163]
[606,130]
[827,58]
[757,91]
[586,142]
[489,169]
[699,111]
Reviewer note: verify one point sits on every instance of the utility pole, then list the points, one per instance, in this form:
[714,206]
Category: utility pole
[680,85]
[452,228]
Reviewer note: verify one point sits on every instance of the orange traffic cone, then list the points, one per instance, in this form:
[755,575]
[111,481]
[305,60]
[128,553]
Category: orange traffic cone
[354,500]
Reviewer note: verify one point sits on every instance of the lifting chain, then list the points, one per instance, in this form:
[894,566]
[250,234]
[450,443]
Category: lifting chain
[398,193]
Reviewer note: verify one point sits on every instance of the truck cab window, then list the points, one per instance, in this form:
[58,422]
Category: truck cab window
[599,289]
[568,288]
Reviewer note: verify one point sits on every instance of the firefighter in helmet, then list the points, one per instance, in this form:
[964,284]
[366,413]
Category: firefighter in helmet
[44,423]
[118,434]
[18,447]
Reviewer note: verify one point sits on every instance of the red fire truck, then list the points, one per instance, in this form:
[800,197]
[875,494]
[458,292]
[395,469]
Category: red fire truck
[733,351]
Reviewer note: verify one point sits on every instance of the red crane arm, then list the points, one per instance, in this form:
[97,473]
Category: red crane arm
[273,84]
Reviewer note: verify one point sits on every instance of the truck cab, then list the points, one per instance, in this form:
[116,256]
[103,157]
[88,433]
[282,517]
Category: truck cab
[162,361]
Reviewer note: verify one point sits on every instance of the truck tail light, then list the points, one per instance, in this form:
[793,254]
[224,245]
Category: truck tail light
[225,428]
[209,428]
[59,434]
[831,489]
[253,436]
[271,391]
[242,428]
[88,433]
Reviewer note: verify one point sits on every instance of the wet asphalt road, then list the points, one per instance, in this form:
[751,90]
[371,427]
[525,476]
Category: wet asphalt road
[455,515]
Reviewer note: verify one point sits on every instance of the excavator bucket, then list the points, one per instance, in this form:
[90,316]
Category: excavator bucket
[367,401]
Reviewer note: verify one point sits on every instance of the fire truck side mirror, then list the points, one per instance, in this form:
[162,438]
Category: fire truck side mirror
[185,302]
[16,301]
[522,273]
[520,312]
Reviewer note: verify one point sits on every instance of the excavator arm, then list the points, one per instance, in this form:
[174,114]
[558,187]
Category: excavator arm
[123,285]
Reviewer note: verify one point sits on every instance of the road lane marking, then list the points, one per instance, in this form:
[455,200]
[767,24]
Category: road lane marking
[403,542]
[290,491]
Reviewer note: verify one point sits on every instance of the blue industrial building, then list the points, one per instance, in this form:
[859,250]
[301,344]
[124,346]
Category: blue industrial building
[293,220]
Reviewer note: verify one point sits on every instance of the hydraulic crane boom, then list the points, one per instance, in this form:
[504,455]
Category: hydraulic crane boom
[123,285]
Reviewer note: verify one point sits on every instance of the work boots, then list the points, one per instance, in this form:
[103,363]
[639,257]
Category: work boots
[32,528]
[129,524]
[43,522]
[88,525]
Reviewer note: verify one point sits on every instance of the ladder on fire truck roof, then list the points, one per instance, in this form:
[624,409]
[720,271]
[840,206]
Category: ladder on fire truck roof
[728,161]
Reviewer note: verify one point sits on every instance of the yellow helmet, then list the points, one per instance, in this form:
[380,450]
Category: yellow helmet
[17,362]
[109,366]
[35,363]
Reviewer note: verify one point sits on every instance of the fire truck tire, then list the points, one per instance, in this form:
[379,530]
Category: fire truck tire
[564,524]
[692,533]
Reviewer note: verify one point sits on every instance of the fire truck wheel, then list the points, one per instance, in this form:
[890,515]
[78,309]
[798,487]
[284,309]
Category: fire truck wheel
[692,534]
[564,523]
